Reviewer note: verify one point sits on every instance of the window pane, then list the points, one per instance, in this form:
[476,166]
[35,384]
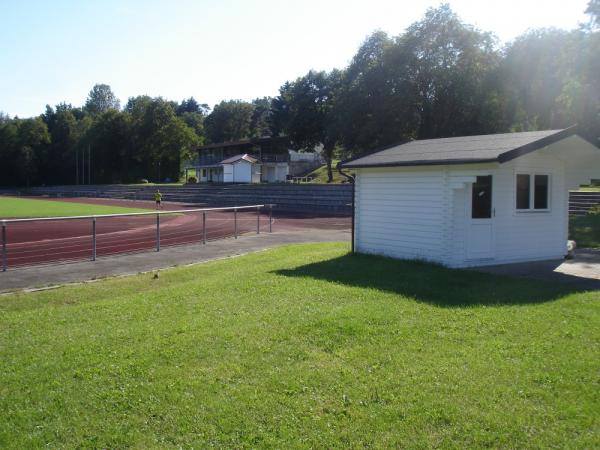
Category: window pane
[541,192]
[482,198]
[522,191]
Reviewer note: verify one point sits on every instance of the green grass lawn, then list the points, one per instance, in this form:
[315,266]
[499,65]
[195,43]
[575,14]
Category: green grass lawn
[320,175]
[590,188]
[585,230]
[13,207]
[302,347]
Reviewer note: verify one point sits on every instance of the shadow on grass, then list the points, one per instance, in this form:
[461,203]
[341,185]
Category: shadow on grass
[431,283]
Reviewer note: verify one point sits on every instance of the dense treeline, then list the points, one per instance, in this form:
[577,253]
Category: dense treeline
[67,144]
[444,78]
[441,77]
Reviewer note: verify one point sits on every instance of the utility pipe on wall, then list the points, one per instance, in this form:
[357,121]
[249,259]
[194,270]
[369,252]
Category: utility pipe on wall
[351,180]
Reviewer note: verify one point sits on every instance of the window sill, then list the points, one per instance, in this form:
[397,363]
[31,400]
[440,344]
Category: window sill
[532,211]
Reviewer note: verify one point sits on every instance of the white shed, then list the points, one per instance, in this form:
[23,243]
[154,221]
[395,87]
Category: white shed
[469,201]
[241,169]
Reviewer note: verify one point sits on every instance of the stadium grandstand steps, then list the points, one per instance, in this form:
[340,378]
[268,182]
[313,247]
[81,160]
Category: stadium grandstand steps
[581,202]
[289,197]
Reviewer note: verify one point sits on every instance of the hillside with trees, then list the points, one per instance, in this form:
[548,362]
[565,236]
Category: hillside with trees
[439,78]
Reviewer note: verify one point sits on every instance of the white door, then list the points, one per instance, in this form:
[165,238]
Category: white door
[228,173]
[480,240]
[270,174]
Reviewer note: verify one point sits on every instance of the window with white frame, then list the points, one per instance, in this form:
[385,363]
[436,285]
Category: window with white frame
[532,192]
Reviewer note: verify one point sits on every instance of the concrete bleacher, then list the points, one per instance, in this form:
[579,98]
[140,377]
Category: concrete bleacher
[321,198]
[581,202]
[334,199]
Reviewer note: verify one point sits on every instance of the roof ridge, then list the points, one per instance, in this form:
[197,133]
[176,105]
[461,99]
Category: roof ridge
[475,137]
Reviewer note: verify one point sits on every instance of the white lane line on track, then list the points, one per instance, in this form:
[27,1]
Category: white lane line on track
[168,226]
[123,252]
[164,226]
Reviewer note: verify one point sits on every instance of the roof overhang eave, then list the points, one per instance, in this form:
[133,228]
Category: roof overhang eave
[536,145]
[504,157]
[442,162]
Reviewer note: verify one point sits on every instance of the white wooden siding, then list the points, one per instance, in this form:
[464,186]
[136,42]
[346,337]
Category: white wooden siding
[399,213]
[238,172]
[457,252]
[531,235]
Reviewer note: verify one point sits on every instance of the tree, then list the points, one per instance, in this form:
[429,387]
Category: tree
[158,137]
[8,152]
[196,122]
[137,104]
[378,102]
[193,114]
[552,81]
[109,142]
[60,159]
[229,121]
[453,67]
[32,134]
[593,10]
[305,111]
[439,78]
[100,99]
[260,120]
[190,105]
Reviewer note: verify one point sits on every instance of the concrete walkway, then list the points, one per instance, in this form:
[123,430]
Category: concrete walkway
[57,274]
[582,272]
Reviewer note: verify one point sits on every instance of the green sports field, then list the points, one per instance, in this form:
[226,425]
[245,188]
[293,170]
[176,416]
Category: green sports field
[303,346]
[15,207]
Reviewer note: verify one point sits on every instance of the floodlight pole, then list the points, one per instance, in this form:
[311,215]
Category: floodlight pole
[94,239]
[270,218]
[82,166]
[258,220]
[76,166]
[4,257]
[353,211]
[235,223]
[89,164]
[158,232]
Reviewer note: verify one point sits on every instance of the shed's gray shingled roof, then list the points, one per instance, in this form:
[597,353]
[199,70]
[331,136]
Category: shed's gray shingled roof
[461,150]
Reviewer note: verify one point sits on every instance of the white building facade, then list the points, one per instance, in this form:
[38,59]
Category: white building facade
[246,161]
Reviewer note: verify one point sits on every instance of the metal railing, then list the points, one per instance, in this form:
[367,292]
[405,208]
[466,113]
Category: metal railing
[210,160]
[299,180]
[270,157]
[93,250]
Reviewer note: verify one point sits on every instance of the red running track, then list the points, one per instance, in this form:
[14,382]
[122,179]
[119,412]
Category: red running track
[31,243]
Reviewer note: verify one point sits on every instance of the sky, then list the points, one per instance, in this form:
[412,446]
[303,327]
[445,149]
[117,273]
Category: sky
[55,51]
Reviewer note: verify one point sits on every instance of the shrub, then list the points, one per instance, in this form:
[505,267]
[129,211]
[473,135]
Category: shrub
[192,180]
[143,180]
